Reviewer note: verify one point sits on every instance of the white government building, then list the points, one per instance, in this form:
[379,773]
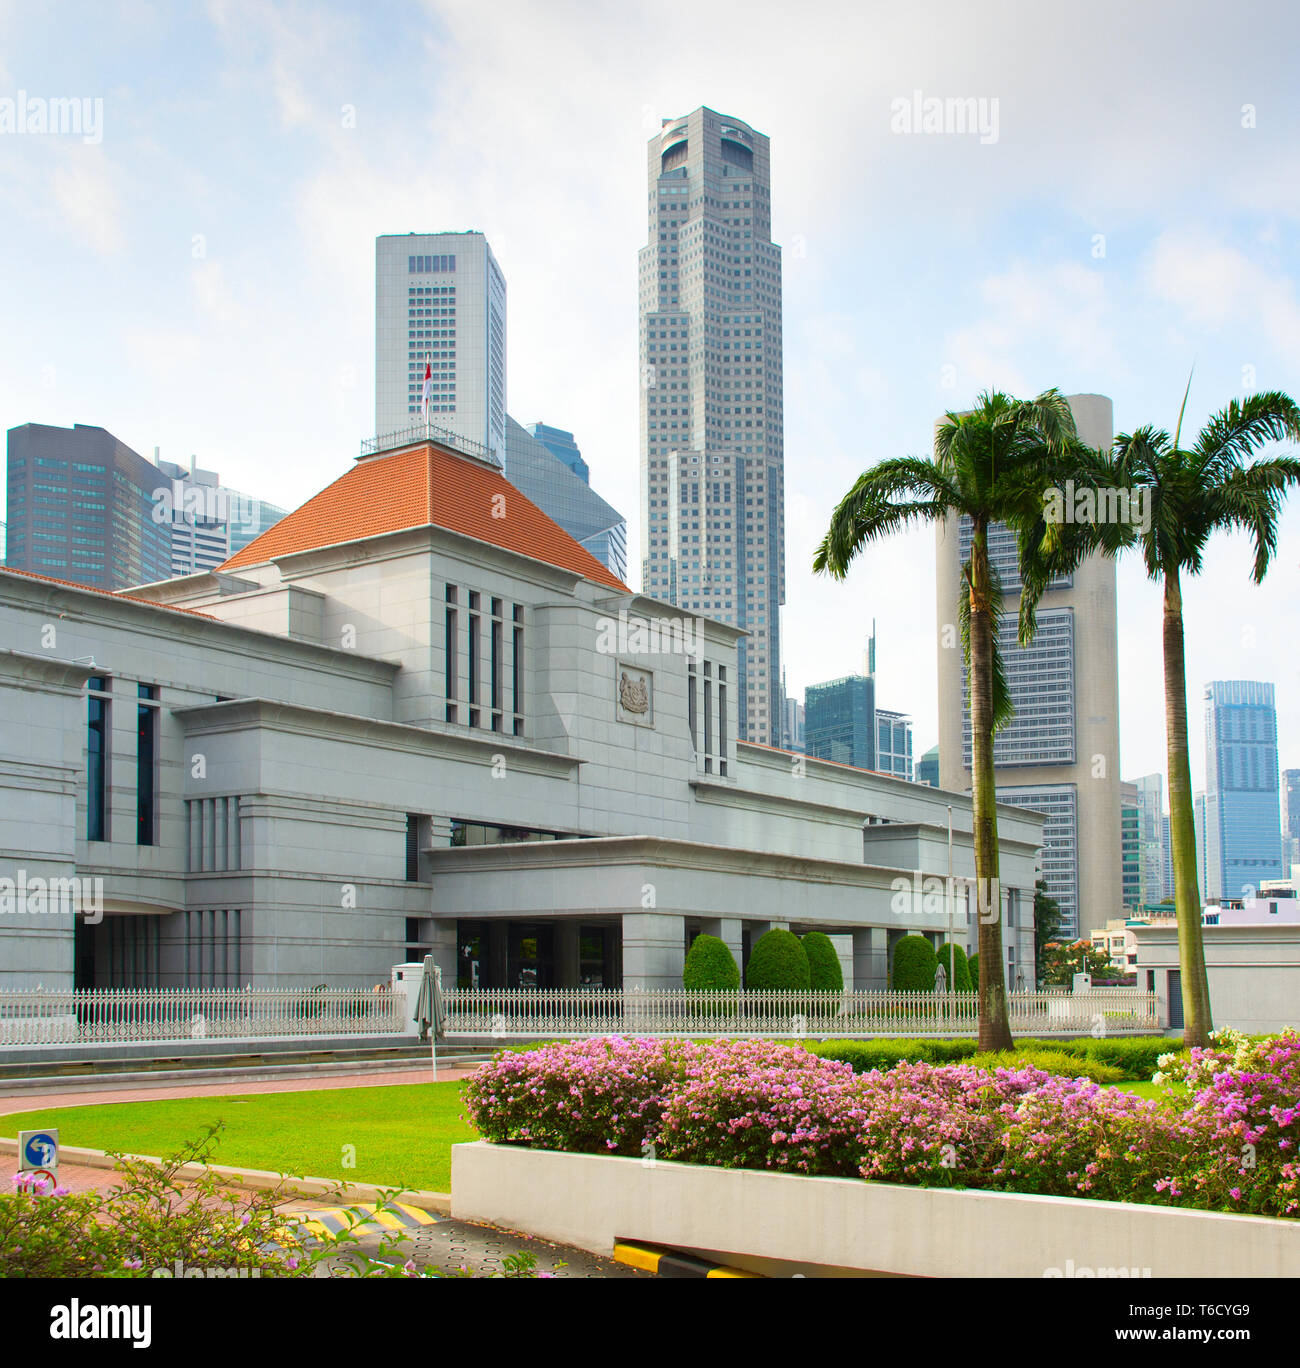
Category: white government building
[415,715]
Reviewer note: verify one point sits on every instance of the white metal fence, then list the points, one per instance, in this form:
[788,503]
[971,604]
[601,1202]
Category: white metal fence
[85,1016]
[498,1013]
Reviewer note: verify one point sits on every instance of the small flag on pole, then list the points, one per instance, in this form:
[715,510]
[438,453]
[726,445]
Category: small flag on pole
[427,390]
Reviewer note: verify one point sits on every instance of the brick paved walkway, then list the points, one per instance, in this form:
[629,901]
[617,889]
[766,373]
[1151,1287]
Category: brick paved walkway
[14,1099]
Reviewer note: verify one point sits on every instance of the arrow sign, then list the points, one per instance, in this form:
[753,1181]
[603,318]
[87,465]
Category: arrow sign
[38,1149]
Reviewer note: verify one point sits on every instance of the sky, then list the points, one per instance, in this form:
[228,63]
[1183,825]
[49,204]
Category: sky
[197,275]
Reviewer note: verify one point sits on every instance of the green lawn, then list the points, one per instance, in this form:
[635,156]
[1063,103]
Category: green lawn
[402,1135]
[1142,1089]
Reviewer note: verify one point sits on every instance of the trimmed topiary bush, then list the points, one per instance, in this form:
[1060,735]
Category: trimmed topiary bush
[778,960]
[914,965]
[946,955]
[710,965]
[973,968]
[823,963]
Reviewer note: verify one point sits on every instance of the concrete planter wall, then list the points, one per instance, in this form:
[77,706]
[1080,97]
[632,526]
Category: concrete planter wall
[778,1223]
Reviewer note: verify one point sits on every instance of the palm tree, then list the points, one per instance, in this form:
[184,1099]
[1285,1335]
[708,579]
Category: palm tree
[992,465]
[1214,485]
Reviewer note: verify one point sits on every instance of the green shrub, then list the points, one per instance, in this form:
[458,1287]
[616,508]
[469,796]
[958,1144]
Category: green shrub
[973,968]
[947,954]
[823,963]
[778,960]
[153,1224]
[1121,1059]
[865,1055]
[1136,1056]
[1062,1063]
[710,965]
[914,965]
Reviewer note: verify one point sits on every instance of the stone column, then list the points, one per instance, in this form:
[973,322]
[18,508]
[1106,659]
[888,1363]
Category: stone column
[566,952]
[870,959]
[654,949]
[442,945]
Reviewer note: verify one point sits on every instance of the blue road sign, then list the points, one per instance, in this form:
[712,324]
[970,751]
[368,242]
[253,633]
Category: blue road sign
[38,1149]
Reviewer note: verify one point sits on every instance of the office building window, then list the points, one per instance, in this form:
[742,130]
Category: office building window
[146,760]
[97,734]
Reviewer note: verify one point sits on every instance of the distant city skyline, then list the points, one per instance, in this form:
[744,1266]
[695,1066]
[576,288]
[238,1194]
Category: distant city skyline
[202,277]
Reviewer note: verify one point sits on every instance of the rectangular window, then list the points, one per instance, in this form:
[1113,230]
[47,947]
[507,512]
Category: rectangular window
[692,720]
[451,654]
[708,722]
[97,759]
[472,660]
[146,761]
[517,670]
[498,674]
[722,725]
[412,849]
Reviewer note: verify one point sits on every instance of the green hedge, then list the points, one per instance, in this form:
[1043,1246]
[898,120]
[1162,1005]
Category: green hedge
[778,961]
[1064,1064]
[710,965]
[962,983]
[823,963]
[973,965]
[1135,1057]
[914,965]
[865,1055]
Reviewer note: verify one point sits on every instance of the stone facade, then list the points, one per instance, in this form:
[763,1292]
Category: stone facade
[328,798]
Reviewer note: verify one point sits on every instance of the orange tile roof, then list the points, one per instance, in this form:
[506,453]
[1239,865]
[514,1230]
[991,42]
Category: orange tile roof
[105,593]
[422,486]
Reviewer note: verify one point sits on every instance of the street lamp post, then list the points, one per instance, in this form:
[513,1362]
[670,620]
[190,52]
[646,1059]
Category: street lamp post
[952,949]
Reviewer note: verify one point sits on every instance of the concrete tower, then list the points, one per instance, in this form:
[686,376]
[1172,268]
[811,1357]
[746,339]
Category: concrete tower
[1060,753]
[712,449]
[440,300]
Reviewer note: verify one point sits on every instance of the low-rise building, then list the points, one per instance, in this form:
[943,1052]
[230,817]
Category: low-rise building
[416,716]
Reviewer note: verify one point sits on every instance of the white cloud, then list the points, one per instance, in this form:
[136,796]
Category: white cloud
[1214,285]
[1056,316]
[86,199]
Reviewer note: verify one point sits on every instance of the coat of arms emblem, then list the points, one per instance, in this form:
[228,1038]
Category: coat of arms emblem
[633,694]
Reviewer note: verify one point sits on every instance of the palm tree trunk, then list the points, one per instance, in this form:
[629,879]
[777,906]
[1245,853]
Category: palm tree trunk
[994,1023]
[1197,1023]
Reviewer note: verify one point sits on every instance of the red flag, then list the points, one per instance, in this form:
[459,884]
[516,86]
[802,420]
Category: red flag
[427,391]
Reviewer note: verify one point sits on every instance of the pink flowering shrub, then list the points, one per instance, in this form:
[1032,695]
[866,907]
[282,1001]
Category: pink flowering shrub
[1224,1137]
[603,1095]
[939,1125]
[1068,1137]
[1240,1127]
[756,1104]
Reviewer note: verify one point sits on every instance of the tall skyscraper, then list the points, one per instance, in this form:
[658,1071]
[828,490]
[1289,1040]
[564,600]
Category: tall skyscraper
[1202,869]
[1130,812]
[1149,794]
[1243,829]
[712,445]
[840,720]
[794,733]
[927,768]
[440,302]
[562,445]
[843,723]
[209,520]
[1290,820]
[536,471]
[81,508]
[1059,755]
